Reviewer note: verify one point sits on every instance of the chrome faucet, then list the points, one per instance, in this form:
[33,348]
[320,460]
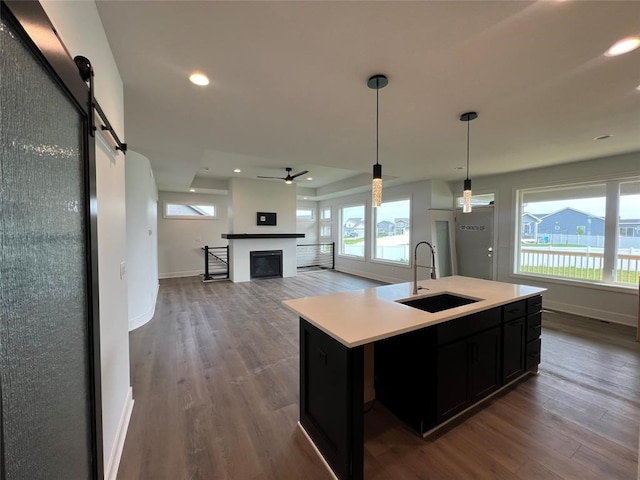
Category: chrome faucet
[415,266]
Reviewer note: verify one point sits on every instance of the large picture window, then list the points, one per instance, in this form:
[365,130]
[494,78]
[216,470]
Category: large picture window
[584,232]
[352,231]
[391,237]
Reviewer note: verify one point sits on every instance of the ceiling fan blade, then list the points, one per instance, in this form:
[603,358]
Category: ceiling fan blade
[278,178]
[300,173]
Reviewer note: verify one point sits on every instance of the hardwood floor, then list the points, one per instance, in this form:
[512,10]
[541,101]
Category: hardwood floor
[215,382]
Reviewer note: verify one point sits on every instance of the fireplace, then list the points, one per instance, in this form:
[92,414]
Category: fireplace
[265,263]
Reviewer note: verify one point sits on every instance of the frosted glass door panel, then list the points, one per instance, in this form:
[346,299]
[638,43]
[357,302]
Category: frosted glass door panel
[44,348]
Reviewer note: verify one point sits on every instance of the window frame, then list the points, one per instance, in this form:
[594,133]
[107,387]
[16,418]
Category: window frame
[374,233]
[310,218]
[167,203]
[341,209]
[611,232]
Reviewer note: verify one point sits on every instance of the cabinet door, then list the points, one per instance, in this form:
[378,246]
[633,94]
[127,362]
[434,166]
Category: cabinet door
[452,379]
[513,341]
[484,365]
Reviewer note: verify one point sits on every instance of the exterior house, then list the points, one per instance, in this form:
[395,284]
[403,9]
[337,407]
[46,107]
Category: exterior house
[570,221]
[629,227]
[402,226]
[529,224]
[354,227]
[386,227]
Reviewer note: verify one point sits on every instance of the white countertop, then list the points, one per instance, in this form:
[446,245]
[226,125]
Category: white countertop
[364,316]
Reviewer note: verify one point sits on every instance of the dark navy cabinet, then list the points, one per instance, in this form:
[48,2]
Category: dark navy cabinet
[430,375]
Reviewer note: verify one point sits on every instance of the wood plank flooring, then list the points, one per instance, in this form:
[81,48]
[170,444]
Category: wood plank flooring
[215,382]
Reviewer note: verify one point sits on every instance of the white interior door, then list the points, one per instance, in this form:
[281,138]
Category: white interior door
[474,242]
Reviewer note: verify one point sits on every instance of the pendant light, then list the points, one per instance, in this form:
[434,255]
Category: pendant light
[466,195]
[377,82]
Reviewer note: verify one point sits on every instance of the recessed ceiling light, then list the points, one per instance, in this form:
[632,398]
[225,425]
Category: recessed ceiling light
[199,79]
[237,170]
[304,198]
[192,189]
[603,137]
[623,46]
[309,178]
[638,88]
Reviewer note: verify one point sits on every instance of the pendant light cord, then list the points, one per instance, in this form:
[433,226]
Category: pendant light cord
[377,116]
[468,130]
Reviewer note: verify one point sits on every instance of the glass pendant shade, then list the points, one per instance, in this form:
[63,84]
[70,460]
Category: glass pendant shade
[376,187]
[466,197]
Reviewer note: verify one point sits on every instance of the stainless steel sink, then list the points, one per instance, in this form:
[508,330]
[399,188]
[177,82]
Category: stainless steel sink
[437,303]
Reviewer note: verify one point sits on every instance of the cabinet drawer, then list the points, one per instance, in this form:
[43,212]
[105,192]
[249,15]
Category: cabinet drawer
[514,310]
[534,304]
[534,326]
[532,358]
[465,326]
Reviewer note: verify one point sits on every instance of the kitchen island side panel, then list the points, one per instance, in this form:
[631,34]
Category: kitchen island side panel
[331,399]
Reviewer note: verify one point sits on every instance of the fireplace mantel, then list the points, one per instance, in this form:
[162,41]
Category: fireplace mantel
[242,236]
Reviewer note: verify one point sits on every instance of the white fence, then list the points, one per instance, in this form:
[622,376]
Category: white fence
[572,263]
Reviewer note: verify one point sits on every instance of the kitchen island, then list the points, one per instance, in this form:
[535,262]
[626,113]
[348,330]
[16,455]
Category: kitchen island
[458,341]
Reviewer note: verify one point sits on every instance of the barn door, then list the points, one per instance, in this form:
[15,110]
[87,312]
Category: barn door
[49,380]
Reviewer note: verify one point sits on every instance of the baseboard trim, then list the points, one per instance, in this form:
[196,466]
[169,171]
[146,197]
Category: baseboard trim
[370,276]
[145,317]
[193,273]
[604,315]
[326,464]
[111,469]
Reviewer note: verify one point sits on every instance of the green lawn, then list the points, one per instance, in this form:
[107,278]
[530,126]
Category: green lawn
[623,276]
[353,241]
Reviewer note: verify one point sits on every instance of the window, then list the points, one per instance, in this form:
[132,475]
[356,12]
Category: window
[325,225]
[581,232]
[304,214]
[189,211]
[352,232]
[391,237]
[628,251]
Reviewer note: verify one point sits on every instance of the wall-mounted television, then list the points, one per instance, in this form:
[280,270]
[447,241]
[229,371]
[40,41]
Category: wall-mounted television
[266,218]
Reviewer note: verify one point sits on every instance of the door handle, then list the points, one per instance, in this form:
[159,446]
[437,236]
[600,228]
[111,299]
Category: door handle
[323,355]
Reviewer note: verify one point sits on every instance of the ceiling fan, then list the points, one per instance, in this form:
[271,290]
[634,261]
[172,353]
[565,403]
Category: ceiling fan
[289,178]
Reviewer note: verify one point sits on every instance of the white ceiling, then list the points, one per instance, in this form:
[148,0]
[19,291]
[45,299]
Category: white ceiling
[288,86]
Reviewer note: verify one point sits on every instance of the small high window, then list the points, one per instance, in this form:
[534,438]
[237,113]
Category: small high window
[304,214]
[189,211]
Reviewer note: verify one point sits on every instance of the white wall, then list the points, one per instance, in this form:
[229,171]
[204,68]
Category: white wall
[142,239]
[424,195]
[616,304]
[80,28]
[247,197]
[180,241]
